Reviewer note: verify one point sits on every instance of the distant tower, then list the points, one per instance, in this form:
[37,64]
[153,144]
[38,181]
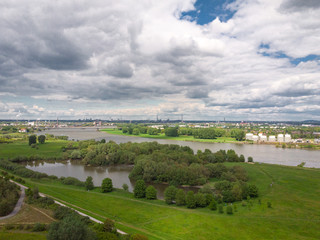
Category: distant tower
[157,118]
[181,117]
[224,119]
[57,122]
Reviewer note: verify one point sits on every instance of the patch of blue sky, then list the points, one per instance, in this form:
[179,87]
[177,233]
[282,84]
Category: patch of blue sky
[280,54]
[207,10]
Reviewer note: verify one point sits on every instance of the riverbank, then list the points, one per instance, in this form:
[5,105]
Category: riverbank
[186,138]
[291,191]
[179,138]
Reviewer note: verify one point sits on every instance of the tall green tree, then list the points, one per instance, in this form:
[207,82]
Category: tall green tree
[190,200]
[151,192]
[70,228]
[170,194]
[180,198]
[41,139]
[139,190]
[106,185]
[32,139]
[89,183]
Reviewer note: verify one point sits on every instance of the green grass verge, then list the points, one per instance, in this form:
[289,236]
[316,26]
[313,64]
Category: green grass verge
[21,236]
[295,212]
[179,138]
[51,148]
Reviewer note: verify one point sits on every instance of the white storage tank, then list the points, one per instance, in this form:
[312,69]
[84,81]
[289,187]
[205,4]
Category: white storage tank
[249,136]
[255,138]
[263,138]
[287,138]
[280,138]
[272,138]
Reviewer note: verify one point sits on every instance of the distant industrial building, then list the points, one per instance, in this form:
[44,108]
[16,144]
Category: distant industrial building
[280,138]
[249,136]
[272,138]
[287,138]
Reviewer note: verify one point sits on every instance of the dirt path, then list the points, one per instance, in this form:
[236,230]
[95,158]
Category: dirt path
[18,205]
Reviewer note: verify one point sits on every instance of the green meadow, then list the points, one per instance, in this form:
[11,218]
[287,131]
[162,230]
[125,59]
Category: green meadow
[179,138]
[51,148]
[294,213]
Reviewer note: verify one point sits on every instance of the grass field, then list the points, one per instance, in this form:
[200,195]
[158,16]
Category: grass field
[21,235]
[179,138]
[295,212]
[29,214]
[51,148]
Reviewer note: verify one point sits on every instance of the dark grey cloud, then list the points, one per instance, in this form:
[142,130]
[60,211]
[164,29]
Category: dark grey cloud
[197,93]
[299,5]
[120,69]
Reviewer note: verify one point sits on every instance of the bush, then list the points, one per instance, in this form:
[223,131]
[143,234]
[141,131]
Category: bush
[220,209]
[71,228]
[213,205]
[89,183]
[108,226]
[138,236]
[106,185]
[151,192]
[32,139]
[39,227]
[180,198]
[229,210]
[42,139]
[269,204]
[72,181]
[190,200]
[76,154]
[125,187]
[139,190]
[200,200]
[170,194]
[250,159]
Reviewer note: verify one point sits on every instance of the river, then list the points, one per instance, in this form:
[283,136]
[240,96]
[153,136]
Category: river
[119,174]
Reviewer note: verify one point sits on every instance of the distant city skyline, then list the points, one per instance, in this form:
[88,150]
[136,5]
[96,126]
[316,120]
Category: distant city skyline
[205,60]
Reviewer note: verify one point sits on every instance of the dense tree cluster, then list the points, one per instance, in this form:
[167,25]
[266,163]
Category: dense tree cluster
[8,196]
[200,133]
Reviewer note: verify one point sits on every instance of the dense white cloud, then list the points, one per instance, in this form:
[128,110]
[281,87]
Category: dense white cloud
[139,59]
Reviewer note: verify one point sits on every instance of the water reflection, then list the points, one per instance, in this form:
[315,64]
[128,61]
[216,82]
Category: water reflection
[260,153]
[119,174]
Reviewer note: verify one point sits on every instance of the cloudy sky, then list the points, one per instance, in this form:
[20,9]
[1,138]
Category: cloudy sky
[205,59]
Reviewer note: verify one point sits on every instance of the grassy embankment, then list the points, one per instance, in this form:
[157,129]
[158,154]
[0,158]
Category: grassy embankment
[294,196]
[51,148]
[179,138]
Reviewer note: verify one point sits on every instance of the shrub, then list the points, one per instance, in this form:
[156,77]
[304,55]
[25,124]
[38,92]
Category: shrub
[220,209]
[39,227]
[139,190]
[106,185]
[190,200]
[72,181]
[200,200]
[250,159]
[213,205]
[32,139]
[42,139]
[229,210]
[170,194]
[125,187]
[138,236]
[89,183]
[180,198]
[269,204]
[108,226]
[151,192]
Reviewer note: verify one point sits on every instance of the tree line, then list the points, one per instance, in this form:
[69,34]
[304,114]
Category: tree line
[171,131]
